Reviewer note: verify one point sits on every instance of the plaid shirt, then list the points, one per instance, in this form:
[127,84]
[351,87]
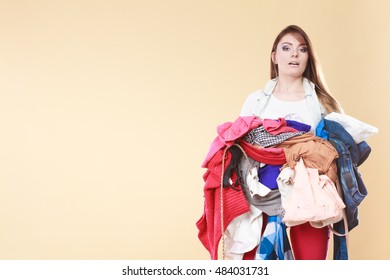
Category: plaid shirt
[274,244]
[263,138]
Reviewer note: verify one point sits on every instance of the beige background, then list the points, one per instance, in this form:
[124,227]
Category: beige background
[108,108]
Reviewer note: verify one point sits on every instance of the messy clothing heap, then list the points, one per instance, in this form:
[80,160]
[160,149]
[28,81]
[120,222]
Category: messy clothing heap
[264,175]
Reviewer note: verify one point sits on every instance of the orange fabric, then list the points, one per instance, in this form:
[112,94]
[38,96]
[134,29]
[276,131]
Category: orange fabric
[318,153]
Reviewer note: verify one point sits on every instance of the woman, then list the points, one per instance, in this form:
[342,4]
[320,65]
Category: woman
[296,92]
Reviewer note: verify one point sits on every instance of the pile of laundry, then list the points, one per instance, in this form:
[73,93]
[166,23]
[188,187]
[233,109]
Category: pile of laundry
[260,176]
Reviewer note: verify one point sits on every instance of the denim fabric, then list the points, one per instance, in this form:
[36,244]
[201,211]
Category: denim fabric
[351,155]
[340,243]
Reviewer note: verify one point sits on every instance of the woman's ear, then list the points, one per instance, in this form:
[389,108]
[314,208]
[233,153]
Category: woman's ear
[273,58]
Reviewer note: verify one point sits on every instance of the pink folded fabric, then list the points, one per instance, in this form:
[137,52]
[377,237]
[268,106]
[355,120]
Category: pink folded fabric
[278,126]
[229,132]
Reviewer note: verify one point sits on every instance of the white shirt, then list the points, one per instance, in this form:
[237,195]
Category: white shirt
[290,110]
[257,102]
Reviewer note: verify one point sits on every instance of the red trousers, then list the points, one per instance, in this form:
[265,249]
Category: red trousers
[307,242]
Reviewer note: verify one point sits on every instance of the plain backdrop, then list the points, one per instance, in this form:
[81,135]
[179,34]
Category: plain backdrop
[108,108]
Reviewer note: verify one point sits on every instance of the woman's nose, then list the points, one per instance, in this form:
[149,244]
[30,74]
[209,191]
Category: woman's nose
[294,53]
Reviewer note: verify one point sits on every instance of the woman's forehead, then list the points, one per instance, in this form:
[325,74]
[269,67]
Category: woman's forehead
[292,38]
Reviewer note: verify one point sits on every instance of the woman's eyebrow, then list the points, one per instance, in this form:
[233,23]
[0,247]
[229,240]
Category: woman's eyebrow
[288,43]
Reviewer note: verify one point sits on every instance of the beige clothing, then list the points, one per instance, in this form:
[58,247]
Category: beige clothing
[317,153]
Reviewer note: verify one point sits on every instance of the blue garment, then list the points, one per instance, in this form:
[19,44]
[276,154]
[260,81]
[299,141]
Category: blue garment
[268,175]
[298,125]
[320,130]
[351,155]
[274,244]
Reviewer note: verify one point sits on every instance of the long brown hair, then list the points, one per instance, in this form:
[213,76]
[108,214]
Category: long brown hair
[313,71]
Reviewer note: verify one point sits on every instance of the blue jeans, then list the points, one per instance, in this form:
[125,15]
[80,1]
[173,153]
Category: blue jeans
[351,155]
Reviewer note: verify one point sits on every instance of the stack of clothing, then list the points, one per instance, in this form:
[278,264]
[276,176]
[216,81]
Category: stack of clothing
[243,201]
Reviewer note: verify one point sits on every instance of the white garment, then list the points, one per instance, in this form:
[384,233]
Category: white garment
[257,101]
[359,130]
[285,182]
[289,110]
[243,234]
[255,187]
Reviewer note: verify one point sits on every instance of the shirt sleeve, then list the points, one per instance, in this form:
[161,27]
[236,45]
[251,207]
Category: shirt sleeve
[248,109]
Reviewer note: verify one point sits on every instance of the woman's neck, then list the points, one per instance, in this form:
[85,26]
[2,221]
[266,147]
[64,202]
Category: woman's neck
[289,89]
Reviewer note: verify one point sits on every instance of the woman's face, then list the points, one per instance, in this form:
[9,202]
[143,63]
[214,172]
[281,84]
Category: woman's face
[291,56]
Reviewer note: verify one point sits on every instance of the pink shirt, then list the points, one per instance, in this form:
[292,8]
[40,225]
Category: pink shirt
[228,132]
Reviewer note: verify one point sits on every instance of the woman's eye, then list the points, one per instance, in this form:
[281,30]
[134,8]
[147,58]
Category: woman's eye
[303,50]
[285,48]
